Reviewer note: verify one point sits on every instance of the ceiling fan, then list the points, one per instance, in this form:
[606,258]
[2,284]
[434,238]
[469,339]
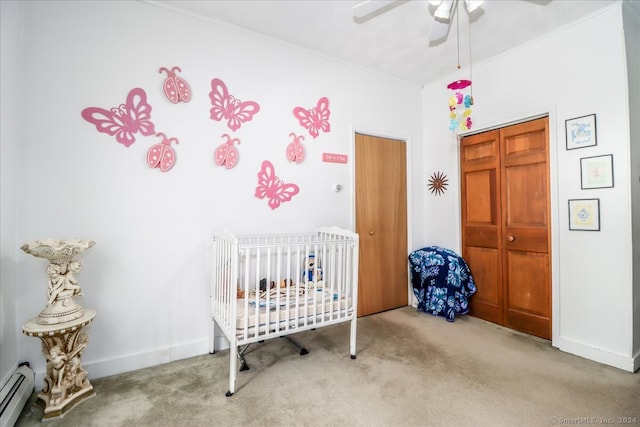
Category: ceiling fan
[442,15]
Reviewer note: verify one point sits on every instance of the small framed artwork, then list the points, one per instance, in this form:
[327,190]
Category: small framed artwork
[596,172]
[581,132]
[584,214]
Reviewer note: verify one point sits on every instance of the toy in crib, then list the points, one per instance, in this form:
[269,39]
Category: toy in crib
[313,272]
[284,282]
[263,286]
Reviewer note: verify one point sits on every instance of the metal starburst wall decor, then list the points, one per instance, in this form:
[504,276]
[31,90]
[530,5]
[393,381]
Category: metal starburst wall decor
[438,183]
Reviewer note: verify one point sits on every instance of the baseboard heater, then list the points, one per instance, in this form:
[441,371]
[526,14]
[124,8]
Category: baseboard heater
[15,394]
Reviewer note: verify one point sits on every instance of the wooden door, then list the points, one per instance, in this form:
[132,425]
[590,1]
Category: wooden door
[481,219]
[381,222]
[506,225]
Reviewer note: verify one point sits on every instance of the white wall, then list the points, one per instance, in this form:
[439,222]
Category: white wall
[11,16]
[631,20]
[147,275]
[576,71]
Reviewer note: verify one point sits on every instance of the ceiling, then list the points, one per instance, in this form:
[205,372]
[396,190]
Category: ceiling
[394,41]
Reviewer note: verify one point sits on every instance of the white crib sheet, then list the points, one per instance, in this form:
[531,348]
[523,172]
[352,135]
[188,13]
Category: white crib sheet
[314,303]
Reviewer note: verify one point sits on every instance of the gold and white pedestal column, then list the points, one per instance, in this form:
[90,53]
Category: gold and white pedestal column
[60,328]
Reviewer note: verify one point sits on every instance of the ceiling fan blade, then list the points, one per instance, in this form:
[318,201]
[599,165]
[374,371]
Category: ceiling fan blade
[442,20]
[439,30]
[444,10]
[473,4]
[370,6]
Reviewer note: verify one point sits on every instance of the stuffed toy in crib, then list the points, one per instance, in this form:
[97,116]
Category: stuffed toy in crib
[313,272]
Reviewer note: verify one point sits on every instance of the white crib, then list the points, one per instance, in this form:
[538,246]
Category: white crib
[265,287]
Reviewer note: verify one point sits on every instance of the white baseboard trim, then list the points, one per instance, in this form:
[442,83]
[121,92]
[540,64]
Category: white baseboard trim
[106,368]
[221,343]
[620,361]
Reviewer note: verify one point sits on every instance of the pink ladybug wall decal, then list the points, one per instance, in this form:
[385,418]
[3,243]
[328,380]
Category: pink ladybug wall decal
[162,155]
[295,150]
[226,154]
[315,119]
[272,187]
[125,120]
[175,87]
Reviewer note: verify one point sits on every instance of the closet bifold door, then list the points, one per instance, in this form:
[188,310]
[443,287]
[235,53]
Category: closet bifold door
[481,218]
[506,225]
[526,274]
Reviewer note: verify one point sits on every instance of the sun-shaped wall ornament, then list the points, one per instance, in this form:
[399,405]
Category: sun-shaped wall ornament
[438,183]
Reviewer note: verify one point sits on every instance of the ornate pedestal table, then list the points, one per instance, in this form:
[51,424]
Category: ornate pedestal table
[60,327]
[66,383]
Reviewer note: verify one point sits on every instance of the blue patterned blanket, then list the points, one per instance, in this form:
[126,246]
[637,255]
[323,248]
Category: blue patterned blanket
[442,282]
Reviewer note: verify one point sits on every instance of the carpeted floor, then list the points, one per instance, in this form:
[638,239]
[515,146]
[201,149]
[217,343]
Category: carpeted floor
[412,369]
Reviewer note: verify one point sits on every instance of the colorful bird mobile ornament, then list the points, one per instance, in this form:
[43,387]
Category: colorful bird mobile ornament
[460,101]
[438,183]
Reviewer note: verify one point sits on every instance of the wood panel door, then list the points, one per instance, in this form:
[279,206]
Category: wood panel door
[381,222]
[506,236]
[481,222]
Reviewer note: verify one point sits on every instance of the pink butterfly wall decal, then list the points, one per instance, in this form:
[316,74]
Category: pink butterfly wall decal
[272,187]
[162,155]
[295,150]
[227,107]
[125,120]
[226,154]
[175,87]
[315,119]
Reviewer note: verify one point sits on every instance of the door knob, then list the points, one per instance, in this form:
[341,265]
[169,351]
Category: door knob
[511,238]
[370,232]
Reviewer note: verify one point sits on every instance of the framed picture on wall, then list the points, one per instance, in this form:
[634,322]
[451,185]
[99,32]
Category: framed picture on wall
[584,214]
[581,132]
[596,172]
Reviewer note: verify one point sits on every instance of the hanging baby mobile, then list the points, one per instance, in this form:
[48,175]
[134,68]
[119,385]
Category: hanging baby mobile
[315,119]
[226,154]
[175,87]
[295,149]
[272,187]
[459,105]
[461,101]
[162,155]
[229,108]
[438,183]
[125,120]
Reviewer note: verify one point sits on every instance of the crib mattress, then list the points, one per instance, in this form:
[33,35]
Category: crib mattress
[316,306]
